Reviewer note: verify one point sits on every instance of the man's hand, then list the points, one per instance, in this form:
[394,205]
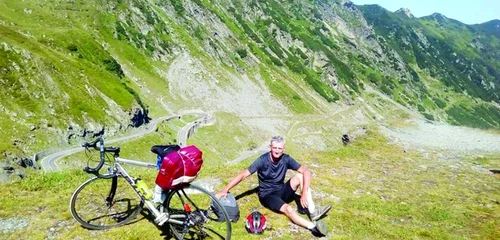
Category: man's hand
[303,200]
[220,194]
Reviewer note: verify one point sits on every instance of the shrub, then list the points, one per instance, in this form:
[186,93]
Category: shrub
[421,108]
[386,90]
[439,103]
[276,61]
[120,32]
[179,8]
[428,116]
[242,52]
[199,33]
[114,67]
[72,48]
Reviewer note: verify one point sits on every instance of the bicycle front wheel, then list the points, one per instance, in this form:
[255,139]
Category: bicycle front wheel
[102,203]
[192,216]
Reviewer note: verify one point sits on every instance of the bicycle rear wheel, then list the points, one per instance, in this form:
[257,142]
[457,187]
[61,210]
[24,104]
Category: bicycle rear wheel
[194,207]
[102,203]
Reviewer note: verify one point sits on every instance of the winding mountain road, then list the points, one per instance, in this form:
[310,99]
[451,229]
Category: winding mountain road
[49,164]
[186,131]
[248,154]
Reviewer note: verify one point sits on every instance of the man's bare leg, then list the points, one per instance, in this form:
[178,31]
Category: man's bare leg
[296,184]
[314,213]
[317,228]
[296,218]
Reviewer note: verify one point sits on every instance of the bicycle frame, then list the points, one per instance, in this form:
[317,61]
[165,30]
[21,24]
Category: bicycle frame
[160,218]
[117,170]
[175,210]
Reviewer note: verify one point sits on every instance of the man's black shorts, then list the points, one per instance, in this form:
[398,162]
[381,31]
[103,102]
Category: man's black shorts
[276,199]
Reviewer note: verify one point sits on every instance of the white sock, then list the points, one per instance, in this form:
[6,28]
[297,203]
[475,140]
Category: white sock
[310,225]
[310,203]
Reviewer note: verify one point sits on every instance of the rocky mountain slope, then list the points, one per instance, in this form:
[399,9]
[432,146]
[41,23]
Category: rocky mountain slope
[68,69]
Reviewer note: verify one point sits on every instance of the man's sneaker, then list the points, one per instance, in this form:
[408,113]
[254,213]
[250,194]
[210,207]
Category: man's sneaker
[319,212]
[320,230]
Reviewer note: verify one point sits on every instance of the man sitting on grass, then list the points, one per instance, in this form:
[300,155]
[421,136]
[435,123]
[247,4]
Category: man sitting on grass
[276,195]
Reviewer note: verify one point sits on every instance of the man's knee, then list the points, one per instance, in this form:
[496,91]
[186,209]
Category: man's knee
[299,176]
[296,181]
[286,209]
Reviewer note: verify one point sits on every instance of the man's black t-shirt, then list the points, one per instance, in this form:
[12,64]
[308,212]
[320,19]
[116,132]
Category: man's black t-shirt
[272,174]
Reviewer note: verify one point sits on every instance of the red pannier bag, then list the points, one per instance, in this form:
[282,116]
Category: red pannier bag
[181,166]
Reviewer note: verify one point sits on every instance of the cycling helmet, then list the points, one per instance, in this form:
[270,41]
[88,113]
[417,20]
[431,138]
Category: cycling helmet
[255,223]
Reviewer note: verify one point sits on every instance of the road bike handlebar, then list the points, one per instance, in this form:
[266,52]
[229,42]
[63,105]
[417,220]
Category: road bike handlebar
[103,150]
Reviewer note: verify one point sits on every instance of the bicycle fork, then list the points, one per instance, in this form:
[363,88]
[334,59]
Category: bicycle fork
[112,191]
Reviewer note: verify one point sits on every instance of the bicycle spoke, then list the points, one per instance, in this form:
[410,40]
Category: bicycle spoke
[192,205]
[90,207]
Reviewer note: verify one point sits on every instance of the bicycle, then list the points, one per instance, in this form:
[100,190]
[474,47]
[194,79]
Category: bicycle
[104,201]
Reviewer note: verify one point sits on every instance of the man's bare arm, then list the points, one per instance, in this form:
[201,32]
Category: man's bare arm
[236,180]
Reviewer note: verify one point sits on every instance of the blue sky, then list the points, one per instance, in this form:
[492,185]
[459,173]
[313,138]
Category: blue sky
[466,11]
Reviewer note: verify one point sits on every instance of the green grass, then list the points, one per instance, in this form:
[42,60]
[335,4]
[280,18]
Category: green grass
[281,90]
[227,130]
[480,116]
[378,191]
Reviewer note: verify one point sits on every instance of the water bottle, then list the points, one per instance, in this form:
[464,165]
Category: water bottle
[143,188]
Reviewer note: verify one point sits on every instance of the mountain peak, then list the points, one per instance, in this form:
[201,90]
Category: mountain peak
[491,27]
[406,12]
[438,16]
[495,22]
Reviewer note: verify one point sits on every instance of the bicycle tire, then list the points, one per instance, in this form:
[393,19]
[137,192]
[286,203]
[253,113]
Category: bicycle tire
[204,222]
[89,205]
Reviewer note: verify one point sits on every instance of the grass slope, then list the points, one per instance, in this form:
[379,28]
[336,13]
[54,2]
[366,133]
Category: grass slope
[377,190]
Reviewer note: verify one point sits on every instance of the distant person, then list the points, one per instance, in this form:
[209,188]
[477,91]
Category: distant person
[345,139]
[276,195]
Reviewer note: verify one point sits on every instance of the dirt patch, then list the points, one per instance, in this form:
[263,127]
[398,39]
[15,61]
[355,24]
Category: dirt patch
[442,136]
[12,224]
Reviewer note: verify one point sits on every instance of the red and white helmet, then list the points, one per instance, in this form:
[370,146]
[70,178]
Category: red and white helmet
[255,222]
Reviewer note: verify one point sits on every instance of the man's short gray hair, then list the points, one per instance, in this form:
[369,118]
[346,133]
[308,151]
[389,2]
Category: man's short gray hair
[277,139]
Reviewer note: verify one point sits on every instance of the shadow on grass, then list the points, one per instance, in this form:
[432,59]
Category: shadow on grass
[165,229]
[247,193]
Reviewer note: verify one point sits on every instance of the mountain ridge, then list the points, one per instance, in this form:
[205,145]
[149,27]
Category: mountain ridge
[437,15]
[71,68]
